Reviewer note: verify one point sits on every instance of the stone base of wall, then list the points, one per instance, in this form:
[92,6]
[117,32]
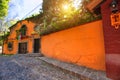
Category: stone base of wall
[82,72]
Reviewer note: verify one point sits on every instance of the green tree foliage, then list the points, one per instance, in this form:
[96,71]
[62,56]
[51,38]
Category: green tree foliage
[3,8]
[1,42]
[54,8]
[56,17]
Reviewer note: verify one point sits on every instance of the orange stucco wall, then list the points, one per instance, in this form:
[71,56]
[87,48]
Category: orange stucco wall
[12,37]
[82,45]
[5,49]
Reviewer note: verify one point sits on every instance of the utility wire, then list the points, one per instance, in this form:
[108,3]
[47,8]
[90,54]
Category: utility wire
[32,10]
[27,13]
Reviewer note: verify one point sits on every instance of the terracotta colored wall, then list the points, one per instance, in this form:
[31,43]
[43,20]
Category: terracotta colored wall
[82,45]
[12,37]
[112,42]
[15,44]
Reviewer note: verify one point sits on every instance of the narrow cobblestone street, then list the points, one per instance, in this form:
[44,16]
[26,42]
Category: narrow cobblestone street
[20,67]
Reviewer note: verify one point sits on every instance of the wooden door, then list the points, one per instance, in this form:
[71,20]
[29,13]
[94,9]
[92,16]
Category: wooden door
[36,45]
[23,48]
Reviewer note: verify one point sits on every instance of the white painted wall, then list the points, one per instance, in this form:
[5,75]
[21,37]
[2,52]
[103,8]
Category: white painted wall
[0,49]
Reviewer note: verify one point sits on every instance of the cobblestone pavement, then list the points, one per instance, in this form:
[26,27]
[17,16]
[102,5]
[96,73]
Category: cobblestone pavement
[20,67]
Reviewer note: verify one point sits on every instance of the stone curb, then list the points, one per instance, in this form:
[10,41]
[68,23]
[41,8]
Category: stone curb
[82,72]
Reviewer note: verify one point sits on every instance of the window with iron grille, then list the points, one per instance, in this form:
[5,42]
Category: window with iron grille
[10,46]
[23,30]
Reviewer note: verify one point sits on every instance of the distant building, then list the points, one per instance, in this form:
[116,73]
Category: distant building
[23,38]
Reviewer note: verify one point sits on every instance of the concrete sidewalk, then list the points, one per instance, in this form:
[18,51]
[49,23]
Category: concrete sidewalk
[83,72]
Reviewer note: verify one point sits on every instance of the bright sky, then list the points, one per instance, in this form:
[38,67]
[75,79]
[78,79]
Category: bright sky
[20,8]
[77,3]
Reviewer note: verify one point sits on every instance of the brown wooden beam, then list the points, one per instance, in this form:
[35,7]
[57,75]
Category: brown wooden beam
[93,4]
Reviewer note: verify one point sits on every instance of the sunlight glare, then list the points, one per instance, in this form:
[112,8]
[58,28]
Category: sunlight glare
[65,16]
[76,4]
[65,7]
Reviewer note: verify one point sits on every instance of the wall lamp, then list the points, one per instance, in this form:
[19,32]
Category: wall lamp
[115,15]
[114,6]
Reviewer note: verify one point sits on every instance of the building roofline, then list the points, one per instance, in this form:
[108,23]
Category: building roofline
[94,4]
[27,19]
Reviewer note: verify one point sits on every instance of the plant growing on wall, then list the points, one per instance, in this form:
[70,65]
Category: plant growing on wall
[21,32]
[18,34]
[62,14]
